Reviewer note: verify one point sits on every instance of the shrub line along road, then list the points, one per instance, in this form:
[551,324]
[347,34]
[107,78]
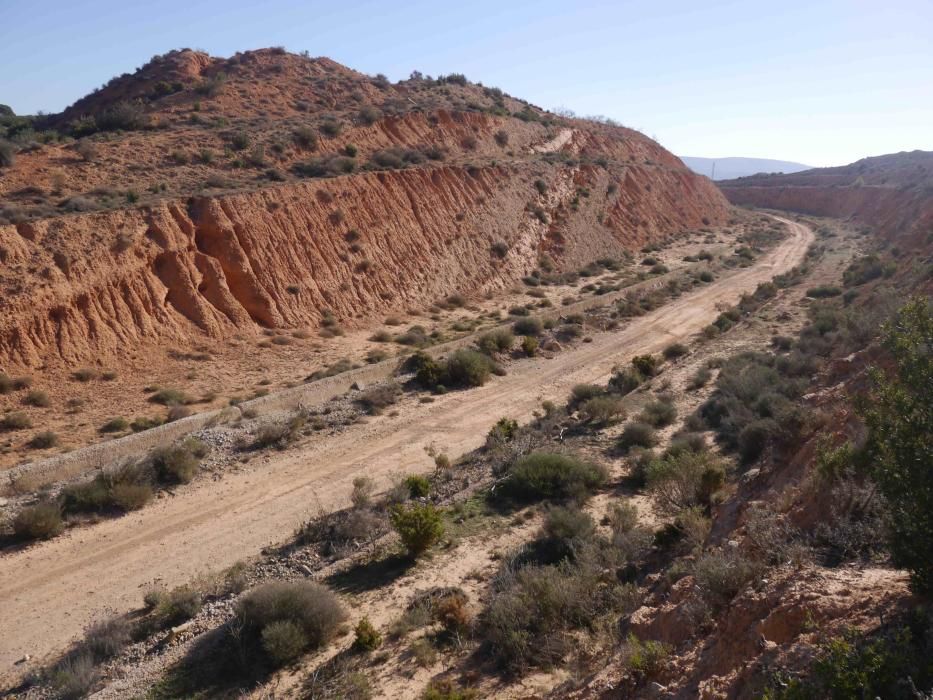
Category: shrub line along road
[51,591]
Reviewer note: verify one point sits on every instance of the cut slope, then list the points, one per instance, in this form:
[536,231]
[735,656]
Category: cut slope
[437,171]
[891,193]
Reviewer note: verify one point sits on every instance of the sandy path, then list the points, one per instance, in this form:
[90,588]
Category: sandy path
[50,592]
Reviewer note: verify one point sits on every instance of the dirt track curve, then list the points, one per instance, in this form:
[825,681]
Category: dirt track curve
[50,592]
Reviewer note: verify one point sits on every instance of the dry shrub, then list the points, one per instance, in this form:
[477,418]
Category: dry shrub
[376,399]
[287,618]
[41,521]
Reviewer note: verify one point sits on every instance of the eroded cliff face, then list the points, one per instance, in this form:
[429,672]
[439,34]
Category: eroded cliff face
[114,284]
[892,212]
[891,194]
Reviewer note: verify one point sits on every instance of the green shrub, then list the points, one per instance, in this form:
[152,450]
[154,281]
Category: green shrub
[528,326]
[526,622]
[41,521]
[893,663]
[86,497]
[685,479]
[637,434]
[720,575]
[823,291]
[428,371]
[622,517]
[583,392]
[646,365]
[530,345]
[504,430]
[862,270]
[305,138]
[7,154]
[310,611]
[418,486]
[467,368]
[419,527]
[899,447]
[625,381]
[366,636]
[755,437]
[553,475]
[566,527]
[499,340]
[645,659]
[177,606]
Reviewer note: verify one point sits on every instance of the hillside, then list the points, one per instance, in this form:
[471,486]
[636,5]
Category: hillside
[201,206]
[729,168]
[890,193]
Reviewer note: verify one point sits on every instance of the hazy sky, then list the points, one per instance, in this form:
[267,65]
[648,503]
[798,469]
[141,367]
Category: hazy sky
[822,82]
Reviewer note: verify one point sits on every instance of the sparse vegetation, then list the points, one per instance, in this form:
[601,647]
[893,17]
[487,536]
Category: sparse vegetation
[543,475]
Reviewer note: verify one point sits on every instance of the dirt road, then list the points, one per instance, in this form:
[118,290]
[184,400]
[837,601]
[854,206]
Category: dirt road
[50,592]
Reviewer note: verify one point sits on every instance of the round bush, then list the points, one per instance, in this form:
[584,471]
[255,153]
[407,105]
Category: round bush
[419,527]
[468,368]
[312,612]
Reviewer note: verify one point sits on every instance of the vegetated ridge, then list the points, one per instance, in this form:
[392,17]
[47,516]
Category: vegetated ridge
[200,196]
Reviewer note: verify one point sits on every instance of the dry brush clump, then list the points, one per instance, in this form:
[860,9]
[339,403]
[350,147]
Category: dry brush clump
[127,487]
[284,619]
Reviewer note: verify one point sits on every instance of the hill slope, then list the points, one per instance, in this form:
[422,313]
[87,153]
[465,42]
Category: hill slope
[890,193]
[202,196]
[729,168]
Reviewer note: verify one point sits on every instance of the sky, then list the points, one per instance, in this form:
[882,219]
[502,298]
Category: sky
[821,82]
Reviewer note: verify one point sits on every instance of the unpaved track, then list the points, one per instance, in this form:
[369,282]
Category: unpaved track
[50,592]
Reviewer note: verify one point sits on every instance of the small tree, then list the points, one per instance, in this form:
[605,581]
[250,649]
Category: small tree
[419,526]
[900,423]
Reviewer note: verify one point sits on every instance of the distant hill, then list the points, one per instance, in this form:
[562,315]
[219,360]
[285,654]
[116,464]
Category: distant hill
[892,194]
[729,168]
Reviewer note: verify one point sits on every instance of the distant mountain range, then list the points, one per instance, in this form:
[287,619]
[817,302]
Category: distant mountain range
[729,168]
